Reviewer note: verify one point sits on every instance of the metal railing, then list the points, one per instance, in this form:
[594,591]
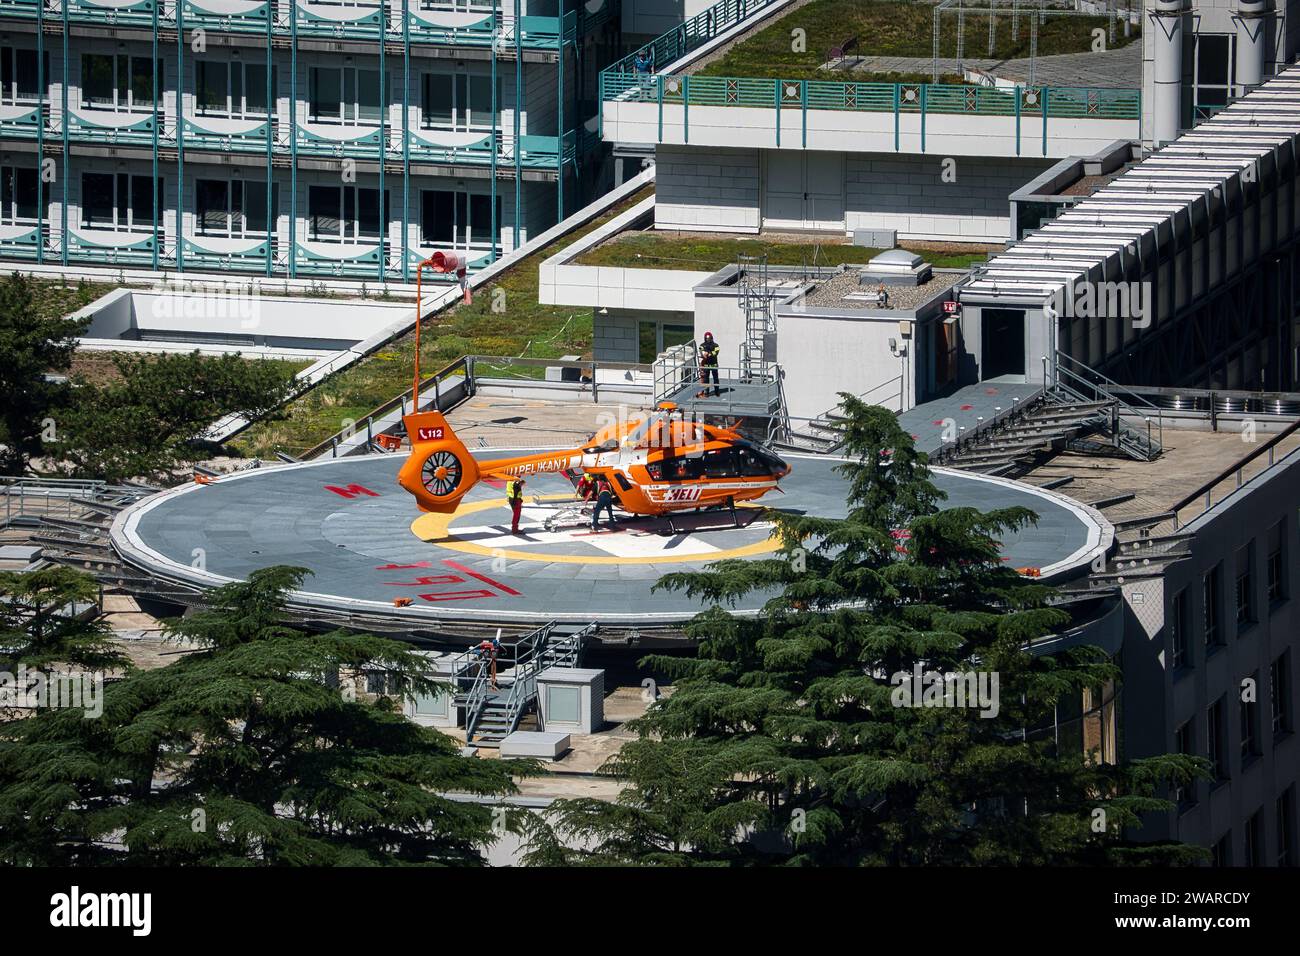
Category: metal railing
[451,385]
[517,667]
[1235,474]
[689,35]
[46,497]
[1117,103]
[1086,384]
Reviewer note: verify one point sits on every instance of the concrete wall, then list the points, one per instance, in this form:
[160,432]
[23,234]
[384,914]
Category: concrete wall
[920,197]
[1159,699]
[616,333]
[138,320]
[930,197]
[945,134]
[823,355]
[707,189]
[650,18]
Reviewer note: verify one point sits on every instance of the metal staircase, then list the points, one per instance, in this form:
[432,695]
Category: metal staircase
[1079,409]
[1133,423]
[493,713]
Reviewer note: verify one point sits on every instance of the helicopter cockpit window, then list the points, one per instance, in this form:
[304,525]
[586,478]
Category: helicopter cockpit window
[680,468]
[752,464]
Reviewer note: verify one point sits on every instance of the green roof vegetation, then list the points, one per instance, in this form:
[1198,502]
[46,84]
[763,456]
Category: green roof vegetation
[504,319]
[665,250]
[893,28]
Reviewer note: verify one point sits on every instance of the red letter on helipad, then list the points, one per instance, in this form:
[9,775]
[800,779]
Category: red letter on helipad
[351,491]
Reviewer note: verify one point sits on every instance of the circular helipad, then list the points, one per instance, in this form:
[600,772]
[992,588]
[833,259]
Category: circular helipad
[370,551]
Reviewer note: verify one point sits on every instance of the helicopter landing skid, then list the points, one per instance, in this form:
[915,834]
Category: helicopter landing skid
[678,524]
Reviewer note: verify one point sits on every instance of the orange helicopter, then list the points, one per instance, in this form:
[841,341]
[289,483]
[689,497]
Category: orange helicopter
[656,464]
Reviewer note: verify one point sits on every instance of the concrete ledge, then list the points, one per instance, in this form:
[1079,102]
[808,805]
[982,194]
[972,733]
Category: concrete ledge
[529,743]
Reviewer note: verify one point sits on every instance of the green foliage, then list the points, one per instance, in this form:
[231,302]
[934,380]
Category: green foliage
[785,740]
[664,250]
[33,343]
[40,626]
[895,29]
[151,419]
[242,752]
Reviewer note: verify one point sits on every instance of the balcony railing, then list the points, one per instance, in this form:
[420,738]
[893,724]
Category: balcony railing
[204,132]
[437,22]
[951,99]
[690,35]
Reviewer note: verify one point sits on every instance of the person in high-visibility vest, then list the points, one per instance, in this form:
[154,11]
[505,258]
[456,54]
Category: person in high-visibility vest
[515,495]
[709,364]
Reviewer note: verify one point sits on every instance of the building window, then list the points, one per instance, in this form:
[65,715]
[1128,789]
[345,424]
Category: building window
[431,705]
[1285,812]
[1179,623]
[18,195]
[384,684]
[1243,590]
[654,338]
[454,220]
[119,202]
[1276,571]
[1248,714]
[117,81]
[563,704]
[1214,740]
[232,207]
[345,213]
[1279,682]
[19,77]
[458,101]
[1254,840]
[344,94]
[1221,852]
[231,89]
[1211,85]
[1211,590]
[1185,743]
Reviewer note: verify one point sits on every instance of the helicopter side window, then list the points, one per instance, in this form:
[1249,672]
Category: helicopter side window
[679,468]
[721,463]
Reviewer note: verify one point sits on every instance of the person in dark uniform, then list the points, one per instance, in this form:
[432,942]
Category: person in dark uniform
[604,502]
[709,364]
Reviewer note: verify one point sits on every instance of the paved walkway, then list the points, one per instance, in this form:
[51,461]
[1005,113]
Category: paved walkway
[1112,68]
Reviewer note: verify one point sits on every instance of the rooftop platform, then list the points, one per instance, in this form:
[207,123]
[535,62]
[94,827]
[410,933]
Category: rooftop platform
[935,422]
[366,545]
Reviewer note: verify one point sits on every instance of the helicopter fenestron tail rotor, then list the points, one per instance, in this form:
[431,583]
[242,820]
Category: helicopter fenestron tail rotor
[440,470]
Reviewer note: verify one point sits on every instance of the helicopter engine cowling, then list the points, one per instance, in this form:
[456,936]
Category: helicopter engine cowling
[440,470]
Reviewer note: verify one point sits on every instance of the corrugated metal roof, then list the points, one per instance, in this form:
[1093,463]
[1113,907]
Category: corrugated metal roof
[1115,219]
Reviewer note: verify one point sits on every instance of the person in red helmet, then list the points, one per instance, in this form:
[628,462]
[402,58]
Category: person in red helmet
[709,350]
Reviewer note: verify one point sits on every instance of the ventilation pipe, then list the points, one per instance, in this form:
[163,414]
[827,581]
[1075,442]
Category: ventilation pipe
[1251,20]
[1167,70]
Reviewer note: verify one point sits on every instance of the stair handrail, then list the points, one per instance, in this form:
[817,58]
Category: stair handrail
[476,697]
[1107,389]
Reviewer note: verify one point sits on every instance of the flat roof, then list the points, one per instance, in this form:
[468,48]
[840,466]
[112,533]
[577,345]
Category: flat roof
[1141,199]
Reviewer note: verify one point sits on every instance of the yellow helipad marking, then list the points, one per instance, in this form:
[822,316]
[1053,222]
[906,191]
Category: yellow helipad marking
[436,529]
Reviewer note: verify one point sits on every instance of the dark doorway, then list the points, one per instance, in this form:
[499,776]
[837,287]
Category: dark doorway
[1002,342]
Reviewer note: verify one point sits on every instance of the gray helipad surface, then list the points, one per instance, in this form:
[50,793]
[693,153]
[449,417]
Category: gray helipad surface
[349,523]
